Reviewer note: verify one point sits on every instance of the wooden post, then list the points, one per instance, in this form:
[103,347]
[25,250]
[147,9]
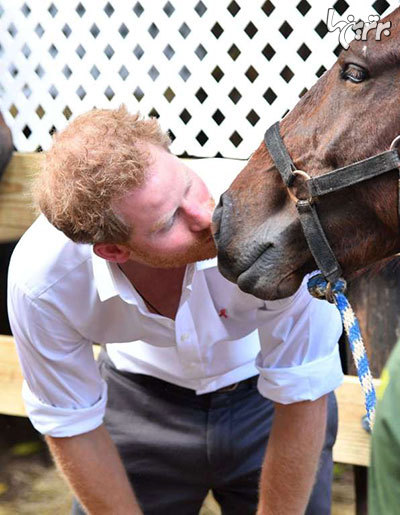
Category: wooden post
[16,208]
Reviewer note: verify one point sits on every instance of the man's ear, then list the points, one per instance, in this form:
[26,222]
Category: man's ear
[112,252]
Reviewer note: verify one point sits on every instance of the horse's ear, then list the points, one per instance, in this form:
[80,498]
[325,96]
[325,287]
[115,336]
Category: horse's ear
[112,252]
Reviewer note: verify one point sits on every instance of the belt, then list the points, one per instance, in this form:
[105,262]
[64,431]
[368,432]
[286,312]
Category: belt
[154,382]
[246,383]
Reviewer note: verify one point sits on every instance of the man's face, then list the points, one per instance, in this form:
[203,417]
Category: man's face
[170,215]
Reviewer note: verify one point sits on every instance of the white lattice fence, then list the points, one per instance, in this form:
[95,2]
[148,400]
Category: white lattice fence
[215,72]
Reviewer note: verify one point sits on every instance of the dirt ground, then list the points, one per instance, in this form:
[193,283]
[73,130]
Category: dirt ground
[30,484]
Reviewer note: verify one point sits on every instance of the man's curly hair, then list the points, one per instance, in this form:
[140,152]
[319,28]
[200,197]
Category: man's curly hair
[98,158]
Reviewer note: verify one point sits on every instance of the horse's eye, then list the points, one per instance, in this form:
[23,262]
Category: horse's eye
[354,73]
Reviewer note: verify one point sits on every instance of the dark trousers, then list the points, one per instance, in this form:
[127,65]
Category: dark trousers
[176,445]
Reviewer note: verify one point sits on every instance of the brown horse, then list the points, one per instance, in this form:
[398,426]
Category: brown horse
[351,113]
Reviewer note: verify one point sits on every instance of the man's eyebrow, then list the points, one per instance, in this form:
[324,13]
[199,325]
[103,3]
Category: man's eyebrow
[163,221]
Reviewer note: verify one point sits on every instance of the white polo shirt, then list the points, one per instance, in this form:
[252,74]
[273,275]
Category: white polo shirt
[63,298]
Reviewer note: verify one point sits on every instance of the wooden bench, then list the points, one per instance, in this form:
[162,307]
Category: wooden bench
[17,213]
[352,444]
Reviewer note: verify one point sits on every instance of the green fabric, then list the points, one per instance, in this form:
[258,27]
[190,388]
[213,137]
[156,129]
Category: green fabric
[384,472]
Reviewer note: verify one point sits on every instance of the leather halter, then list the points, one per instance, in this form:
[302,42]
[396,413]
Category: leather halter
[303,189]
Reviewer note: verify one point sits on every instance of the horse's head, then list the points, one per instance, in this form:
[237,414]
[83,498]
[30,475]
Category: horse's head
[351,113]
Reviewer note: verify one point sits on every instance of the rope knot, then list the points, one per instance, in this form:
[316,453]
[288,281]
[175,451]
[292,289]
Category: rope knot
[320,288]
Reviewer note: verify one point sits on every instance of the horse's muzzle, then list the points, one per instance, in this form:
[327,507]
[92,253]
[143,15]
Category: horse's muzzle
[234,256]
[222,232]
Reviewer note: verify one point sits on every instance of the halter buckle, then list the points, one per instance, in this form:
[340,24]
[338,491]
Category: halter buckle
[302,185]
[329,293]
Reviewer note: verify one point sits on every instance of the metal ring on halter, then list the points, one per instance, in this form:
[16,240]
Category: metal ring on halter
[395,143]
[330,297]
[305,175]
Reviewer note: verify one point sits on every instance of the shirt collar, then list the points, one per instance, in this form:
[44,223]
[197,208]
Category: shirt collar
[206,264]
[110,281]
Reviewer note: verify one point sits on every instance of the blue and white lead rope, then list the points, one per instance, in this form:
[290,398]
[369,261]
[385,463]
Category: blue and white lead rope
[319,288]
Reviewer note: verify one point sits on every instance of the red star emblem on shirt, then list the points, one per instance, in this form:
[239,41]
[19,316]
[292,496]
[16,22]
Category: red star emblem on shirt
[222,313]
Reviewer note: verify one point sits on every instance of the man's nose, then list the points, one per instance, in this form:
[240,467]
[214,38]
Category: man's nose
[198,216]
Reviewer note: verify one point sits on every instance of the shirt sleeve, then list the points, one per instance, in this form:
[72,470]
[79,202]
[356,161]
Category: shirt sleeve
[299,358]
[63,391]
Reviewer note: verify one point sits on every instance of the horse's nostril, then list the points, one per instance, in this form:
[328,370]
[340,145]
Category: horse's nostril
[217,217]
[216,221]
[221,221]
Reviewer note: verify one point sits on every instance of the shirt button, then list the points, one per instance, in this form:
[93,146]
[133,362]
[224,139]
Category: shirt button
[185,337]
